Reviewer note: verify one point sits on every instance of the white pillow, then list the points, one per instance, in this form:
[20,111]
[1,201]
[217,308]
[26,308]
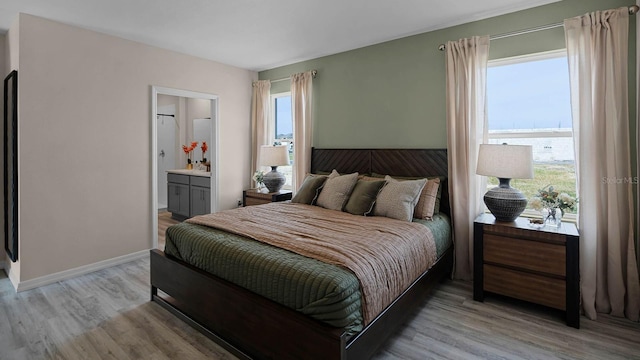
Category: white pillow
[398,199]
[336,190]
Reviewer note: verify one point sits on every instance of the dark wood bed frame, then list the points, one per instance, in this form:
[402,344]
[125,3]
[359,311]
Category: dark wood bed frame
[251,326]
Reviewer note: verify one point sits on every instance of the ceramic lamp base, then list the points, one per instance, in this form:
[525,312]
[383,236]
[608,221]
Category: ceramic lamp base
[505,202]
[273,180]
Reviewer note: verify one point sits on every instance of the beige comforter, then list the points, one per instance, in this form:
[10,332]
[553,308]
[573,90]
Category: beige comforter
[386,255]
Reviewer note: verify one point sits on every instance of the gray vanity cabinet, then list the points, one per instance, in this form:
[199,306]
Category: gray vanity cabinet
[188,195]
[178,195]
[200,195]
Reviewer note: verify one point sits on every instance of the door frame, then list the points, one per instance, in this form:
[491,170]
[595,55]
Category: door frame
[214,151]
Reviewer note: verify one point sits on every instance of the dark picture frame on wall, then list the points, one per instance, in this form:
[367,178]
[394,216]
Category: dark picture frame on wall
[11,165]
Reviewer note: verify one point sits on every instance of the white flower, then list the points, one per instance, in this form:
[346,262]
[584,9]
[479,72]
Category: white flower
[567,199]
[535,204]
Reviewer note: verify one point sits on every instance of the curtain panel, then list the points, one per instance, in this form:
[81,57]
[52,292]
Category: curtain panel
[260,112]
[597,47]
[301,101]
[466,84]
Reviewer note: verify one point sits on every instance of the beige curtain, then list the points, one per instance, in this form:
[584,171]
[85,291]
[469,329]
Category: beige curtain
[260,111]
[301,96]
[597,46]
[466,77]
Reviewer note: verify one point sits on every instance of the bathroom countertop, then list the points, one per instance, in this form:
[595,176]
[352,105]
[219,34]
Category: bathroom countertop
[190,172]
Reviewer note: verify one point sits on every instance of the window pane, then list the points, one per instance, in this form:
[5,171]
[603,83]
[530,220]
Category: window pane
[528,103]
[529,95]
[553,164]
[284,133]
[284,121]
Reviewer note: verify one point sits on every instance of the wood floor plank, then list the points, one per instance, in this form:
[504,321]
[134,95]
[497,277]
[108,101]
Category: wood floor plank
[164,221]
[107,315]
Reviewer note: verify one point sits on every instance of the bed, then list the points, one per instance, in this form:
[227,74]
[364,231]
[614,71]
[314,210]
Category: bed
[253,326]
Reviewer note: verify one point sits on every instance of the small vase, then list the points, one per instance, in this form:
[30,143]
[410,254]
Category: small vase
[552,217]
[189,166]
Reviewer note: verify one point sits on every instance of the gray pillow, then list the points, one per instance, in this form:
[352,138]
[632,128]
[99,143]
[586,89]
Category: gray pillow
[336,190]
[398,199]
[308,192]
[363,197]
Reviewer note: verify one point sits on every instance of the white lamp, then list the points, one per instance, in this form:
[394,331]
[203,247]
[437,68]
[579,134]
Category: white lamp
[505,162]
[274,156]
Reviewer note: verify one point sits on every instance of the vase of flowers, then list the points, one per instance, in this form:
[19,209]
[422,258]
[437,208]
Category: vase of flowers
[204,149]
[552,204]
[258,177]
[188,150]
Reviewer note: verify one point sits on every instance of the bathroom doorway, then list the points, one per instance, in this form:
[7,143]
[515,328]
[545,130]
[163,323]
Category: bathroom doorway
[168,133]
[180,117]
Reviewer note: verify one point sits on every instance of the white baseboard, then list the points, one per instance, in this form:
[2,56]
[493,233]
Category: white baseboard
[82,270]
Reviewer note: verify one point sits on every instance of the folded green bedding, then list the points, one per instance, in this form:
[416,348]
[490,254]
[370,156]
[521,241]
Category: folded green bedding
[325,292]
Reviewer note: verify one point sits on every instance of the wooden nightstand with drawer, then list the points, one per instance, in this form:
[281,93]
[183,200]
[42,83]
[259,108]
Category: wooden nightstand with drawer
[258,197]
[536,265]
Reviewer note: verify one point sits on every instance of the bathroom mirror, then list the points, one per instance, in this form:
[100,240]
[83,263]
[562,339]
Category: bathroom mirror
[201,132]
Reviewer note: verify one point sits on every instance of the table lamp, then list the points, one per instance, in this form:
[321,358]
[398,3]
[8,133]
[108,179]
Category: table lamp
[505,162]
[274,156]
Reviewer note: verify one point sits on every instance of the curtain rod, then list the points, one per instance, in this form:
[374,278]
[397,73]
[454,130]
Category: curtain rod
[314,73]
[633,9]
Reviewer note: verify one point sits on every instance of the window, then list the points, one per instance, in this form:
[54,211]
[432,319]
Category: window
[283,131]
[528,103]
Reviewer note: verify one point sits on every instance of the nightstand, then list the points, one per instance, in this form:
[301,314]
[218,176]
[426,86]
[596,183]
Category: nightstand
[258,197]
[536,265]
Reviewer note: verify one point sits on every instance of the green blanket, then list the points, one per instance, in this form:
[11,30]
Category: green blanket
[325,292]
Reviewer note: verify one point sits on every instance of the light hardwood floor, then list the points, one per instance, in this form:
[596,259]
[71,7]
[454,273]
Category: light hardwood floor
[107,315]
[164,221]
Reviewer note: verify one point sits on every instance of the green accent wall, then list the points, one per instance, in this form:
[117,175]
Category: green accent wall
[392,95]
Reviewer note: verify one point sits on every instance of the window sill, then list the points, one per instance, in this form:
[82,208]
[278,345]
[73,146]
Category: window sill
[530,214]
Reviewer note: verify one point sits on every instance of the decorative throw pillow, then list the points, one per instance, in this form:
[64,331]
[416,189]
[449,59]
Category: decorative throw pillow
[336,191]
[436,207]
[363,197]
[308,192]
[427,200]
[398,199]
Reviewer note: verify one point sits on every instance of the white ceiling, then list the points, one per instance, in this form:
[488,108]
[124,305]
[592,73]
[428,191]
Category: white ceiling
[261,34]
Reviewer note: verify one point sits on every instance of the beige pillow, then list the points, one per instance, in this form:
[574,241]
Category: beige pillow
[398,199]
[336,190]
[427,200]
[436,209]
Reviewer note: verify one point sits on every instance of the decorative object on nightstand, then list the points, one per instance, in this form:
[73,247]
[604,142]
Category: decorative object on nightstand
[540,266]
[258,177]
[259,197]
[274,156]
[552,204]
[505,162]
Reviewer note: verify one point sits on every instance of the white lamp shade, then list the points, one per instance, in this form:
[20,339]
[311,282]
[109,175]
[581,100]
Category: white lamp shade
[277,155]
[505,161]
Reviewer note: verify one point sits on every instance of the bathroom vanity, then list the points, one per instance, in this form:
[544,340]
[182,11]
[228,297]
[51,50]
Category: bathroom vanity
[188,193]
